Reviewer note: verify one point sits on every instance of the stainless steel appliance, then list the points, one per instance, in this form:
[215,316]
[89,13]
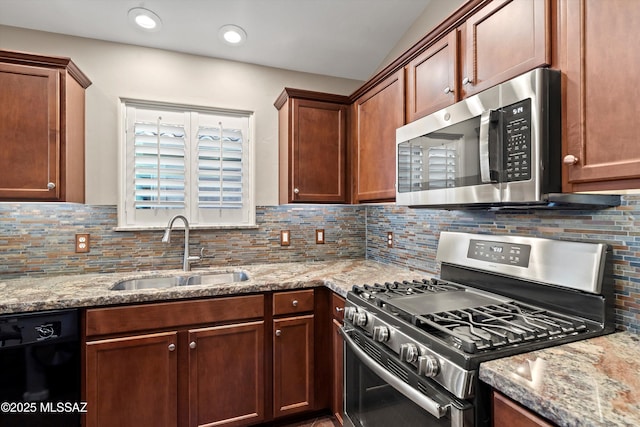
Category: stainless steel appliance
[413,349]
[499,148]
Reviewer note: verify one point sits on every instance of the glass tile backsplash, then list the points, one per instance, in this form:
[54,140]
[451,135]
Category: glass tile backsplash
[38,239]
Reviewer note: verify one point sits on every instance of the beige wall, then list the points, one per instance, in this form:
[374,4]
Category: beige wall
[435,12]
[119,70]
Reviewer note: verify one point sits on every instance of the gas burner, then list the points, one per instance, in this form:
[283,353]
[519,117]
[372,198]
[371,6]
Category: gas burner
[477,329]
[390,290]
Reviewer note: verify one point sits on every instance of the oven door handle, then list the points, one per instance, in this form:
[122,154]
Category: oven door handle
[409,392]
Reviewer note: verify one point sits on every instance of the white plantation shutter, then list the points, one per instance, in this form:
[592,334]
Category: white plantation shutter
[159,165]
[194,163]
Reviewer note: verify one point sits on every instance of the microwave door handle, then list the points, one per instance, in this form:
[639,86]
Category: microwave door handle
[409,392]
[485,161]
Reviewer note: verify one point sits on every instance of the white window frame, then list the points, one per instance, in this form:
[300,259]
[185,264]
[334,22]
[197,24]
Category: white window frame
[130,218]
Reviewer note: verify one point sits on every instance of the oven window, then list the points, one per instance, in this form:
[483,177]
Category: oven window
[370,402]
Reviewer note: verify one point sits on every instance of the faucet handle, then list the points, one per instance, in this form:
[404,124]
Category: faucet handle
[203,255]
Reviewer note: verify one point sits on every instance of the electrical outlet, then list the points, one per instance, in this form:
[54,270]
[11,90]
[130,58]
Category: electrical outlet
[285,238]
[320,236]
[82,243]
[389,239]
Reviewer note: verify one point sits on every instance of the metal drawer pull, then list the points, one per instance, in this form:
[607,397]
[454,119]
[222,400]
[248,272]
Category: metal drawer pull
[172,347]
[295,303]
[278,332]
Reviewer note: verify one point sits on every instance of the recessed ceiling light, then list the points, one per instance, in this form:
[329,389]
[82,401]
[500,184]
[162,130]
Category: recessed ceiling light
[232,35]
[145,19]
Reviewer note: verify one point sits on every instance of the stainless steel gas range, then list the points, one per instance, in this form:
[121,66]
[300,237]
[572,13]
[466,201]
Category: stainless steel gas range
[413,349]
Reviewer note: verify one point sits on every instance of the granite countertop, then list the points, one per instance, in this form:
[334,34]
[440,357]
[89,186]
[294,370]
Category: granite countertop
[88,290]
[595,382]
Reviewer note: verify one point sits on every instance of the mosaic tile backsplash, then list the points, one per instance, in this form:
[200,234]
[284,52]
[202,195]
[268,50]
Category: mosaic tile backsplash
[38,239]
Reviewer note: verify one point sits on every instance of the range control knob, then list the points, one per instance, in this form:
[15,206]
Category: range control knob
[349,312]
[409,352]
[360,319]
[380,333]
[428,366]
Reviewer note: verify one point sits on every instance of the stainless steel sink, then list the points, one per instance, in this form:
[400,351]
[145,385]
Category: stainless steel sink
[182,280]
[217,278]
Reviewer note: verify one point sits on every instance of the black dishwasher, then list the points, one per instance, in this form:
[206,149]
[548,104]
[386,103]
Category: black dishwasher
[40,369]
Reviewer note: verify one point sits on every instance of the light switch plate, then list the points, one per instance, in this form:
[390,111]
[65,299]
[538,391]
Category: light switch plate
[285,238]
[320,236]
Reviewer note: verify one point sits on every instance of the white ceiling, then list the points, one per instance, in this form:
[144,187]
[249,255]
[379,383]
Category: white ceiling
[343,38]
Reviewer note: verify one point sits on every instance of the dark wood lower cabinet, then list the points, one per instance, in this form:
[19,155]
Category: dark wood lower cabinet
[337,309]
[226,375]
[507,413]
[210,362]
[132,381]
[293,373]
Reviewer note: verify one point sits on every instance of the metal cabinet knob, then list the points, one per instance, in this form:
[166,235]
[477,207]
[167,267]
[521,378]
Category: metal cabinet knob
[295,302]
[192,344]
[570,159]
[296,190]
[278,332]
[172,347]
[448,90]
[466,81]
[339,309]
[51,185]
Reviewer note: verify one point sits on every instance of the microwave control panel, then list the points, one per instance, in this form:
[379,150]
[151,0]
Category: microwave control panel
[517,141]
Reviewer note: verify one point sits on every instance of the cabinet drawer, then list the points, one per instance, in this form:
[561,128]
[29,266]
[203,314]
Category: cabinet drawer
[337,307]
[292,302]
[133,318]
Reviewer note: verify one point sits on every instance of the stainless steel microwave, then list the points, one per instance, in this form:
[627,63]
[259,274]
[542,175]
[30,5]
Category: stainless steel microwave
[501,147]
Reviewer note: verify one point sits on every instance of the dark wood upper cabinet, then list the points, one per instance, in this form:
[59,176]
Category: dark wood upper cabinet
[376,116]
[601,91]
[42,112]
[500,40]
[432,78]
[313,147]
[505,39]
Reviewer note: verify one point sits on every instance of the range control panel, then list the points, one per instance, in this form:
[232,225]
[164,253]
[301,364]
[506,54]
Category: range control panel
[500,252]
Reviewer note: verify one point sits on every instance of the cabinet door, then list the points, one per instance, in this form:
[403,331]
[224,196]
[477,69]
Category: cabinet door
[30,129]
[337,304]
[293,365]
[507,413]
[432,77]
[226,375]
[336,403]
[602,89]
[504,39]
[378,114]
[318,162]
[132,381]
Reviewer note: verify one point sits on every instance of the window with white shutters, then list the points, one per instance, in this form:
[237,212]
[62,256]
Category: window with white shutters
[190,161]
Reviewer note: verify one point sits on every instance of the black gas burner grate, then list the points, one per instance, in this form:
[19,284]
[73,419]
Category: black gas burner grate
[498,325]
[389,290]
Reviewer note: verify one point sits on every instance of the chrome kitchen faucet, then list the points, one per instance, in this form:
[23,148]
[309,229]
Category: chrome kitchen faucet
[187,260]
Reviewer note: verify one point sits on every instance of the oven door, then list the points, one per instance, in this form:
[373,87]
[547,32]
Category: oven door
[375,397]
